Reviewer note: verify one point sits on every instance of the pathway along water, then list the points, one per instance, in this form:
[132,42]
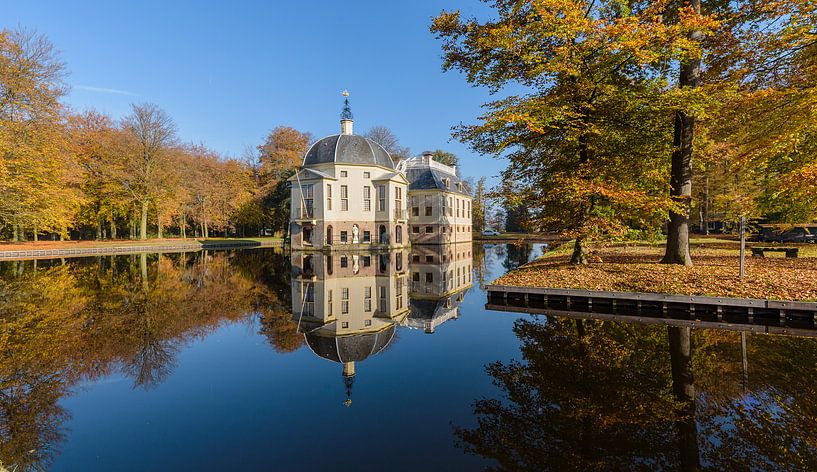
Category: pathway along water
[234,360]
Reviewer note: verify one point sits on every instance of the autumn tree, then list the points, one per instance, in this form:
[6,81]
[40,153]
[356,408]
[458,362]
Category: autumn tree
[96,142]
[478,206]
[146,169]
[280,155]
[586,145]
[38,175]
[766,127]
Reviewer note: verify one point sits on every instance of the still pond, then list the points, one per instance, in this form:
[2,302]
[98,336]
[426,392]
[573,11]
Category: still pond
[264,359]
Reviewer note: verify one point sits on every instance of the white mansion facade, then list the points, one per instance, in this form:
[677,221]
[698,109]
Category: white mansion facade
[350,194]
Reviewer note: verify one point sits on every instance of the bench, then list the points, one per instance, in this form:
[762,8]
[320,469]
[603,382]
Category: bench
[791,252]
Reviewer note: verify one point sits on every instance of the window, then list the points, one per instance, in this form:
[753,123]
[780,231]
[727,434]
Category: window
[344,303]
[367,198]
[344,197]
[415,229]
[399,290]
[328,196]
[447,183]
[344,324]
[450,206]
[469,210]
[430,259]
[415,211]
[367,323]
[367,261]
[442,229]
[398,199]
[428,211]
[343,173]
[367,236]
[415,277]
[382,298]
[429,277]
[344,262]
[458,207]
[398,234]
[329,303]
[306,194]
[367,299]
[367,175]
[429,229]
[381,198]
[344,236]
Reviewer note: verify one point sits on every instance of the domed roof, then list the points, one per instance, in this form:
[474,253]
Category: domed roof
[347,149]
[355,348]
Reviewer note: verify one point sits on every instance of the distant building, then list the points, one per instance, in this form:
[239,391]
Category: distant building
[349,195]
[439,202]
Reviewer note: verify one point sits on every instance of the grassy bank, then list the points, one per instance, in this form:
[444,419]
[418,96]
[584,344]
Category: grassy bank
[635,267]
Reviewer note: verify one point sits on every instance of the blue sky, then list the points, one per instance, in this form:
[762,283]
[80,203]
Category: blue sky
[229,72]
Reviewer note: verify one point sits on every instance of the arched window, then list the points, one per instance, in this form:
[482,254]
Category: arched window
[329,235]
[384,235]
[398,234]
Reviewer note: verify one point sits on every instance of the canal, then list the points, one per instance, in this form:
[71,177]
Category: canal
[268,359]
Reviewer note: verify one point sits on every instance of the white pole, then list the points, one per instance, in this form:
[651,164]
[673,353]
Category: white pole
[742,246]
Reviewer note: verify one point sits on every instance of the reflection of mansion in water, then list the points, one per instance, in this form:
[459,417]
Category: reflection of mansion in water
[349,304]
[350,194]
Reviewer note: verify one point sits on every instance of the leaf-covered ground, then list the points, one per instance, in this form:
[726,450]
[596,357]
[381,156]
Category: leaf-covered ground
[637,269]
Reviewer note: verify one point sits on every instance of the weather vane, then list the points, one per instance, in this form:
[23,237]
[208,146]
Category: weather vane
[345,93]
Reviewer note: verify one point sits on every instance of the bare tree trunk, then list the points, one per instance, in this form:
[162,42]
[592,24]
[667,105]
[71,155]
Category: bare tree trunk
[36,236]
[677,250]
[113,229]
[15,235]
[183,226]
[143,228]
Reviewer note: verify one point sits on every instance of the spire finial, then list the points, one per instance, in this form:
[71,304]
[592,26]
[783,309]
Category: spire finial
[346,116]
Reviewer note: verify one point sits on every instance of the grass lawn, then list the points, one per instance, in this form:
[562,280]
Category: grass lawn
[193,242]
[635,267]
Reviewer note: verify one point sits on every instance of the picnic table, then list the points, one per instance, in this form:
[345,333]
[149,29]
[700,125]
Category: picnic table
[791,252]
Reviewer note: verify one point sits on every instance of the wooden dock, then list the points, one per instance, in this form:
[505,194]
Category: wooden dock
[739,314]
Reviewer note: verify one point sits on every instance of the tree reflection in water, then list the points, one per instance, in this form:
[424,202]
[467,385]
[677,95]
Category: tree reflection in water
[64,322]
[593,395]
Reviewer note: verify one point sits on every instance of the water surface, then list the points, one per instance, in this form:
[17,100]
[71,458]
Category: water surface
[234,360]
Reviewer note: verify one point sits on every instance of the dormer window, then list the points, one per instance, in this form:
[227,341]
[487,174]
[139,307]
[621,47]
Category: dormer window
[447,183]
[459,187]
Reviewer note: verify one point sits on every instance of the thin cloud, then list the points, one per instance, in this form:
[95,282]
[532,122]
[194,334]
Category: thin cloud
[89,88]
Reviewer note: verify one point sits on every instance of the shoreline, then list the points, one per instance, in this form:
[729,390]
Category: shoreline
[59,249]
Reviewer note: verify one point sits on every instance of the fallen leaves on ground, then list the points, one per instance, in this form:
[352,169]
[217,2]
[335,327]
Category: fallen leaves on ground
[638,269]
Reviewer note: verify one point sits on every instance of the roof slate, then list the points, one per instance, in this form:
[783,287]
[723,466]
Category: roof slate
[347,149]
